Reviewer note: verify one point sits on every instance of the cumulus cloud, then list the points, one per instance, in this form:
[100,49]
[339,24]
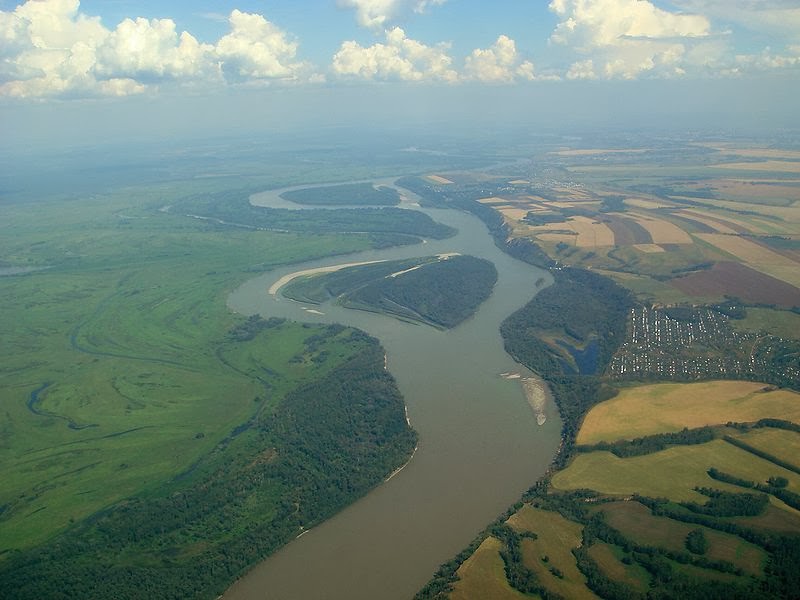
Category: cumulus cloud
[630,37]
[400,58]
[377,14]
[49,48]
[152,50]
[499,63]
[256,48]
[583,69]
[773,17]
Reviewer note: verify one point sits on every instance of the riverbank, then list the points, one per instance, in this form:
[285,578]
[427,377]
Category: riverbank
[275,287]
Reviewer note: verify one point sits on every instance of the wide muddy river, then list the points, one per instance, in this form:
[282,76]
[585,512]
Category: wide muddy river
[480,445]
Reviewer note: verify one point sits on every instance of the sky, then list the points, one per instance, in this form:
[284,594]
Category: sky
[101,58]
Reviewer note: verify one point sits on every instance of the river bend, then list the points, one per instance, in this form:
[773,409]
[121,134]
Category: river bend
[480,445]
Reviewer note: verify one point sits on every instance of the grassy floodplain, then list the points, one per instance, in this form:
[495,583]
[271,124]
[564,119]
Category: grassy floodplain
[113,364]
[128,385]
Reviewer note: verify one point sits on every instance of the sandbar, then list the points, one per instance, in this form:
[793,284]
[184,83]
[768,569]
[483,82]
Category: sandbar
[273,289]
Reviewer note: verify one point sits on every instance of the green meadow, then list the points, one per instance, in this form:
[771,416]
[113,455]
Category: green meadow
[117,364]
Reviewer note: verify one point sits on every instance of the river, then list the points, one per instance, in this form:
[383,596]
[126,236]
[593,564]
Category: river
[479,448]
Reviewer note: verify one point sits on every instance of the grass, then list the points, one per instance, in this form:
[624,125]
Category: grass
[124,336]
[556,537]
[482,576]
[680,469]
[609,559]
[667,407]
[778,442]
[782,323]
[637,523]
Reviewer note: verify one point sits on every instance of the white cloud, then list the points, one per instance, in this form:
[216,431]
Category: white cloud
[766,60]
[256,48]
[598,23]
[49,48]
[377,14]
[629,37]
[773,17]
[583,69]
[499,63]
[400,58]
[152,51]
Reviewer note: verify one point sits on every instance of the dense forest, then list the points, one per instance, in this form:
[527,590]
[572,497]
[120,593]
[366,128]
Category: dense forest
[348,194]
[442,293]
[324,445]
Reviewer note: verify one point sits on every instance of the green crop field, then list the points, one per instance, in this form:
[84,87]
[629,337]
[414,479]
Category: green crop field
[680,469]
[609,558]
[637,523]
[782,323]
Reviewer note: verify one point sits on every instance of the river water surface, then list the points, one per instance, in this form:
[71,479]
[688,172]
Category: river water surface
[479,448]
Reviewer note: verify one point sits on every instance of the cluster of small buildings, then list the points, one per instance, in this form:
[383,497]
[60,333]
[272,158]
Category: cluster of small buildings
[706,345]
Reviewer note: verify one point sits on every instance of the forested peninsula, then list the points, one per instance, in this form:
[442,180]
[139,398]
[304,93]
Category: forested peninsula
[438,291]
[302,458]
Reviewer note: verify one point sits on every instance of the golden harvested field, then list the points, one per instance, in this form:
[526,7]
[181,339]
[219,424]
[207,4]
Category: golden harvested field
[679,469]
[591,233]
[757,256]
[597,151]
[587,233]
[662,231]
[560,204]
[778,442]
[438,179]
[556,537]
[787,214]
[714,224]
[510,212]
[752,188]
[666,407]
[574,193]
[775,166]
[649,248]
[754,152]
[648,204]
[483,576]
[747,223]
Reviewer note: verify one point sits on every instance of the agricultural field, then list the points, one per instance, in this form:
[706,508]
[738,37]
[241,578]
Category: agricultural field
[691,224]
[689,486]
[680,470]
[643,410]
[549,556]
[682,516]
[481,576]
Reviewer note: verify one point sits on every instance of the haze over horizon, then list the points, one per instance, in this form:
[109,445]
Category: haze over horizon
[82,72]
